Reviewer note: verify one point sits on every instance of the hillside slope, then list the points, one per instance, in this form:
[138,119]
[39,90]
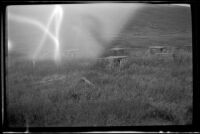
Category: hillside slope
[157,25]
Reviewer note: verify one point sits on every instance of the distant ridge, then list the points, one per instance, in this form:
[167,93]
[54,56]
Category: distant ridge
[157,25]
[159,20]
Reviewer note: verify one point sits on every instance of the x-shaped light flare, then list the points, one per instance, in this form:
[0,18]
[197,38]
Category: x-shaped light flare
[57,14]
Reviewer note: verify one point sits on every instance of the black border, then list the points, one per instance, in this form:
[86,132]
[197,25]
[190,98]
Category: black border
[174,128]
[196,73]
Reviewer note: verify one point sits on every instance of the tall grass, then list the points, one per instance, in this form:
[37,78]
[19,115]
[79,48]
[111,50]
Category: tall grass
[146,90]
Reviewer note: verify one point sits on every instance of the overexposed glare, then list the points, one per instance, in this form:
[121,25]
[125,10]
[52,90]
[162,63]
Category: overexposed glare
[9,45]
[184,5]
[88,28]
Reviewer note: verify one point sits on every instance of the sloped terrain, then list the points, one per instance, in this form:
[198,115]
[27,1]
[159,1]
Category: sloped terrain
[157,25]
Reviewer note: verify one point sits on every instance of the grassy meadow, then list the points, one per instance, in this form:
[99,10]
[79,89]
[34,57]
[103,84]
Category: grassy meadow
[146,90]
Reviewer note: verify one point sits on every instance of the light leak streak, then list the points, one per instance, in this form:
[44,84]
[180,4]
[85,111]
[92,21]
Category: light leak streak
[38,49]
[23,19]
[58,16]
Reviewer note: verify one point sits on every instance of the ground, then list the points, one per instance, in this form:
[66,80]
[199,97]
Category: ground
[145,90]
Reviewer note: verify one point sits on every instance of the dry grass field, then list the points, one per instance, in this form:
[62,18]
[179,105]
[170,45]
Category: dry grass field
[145,90]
